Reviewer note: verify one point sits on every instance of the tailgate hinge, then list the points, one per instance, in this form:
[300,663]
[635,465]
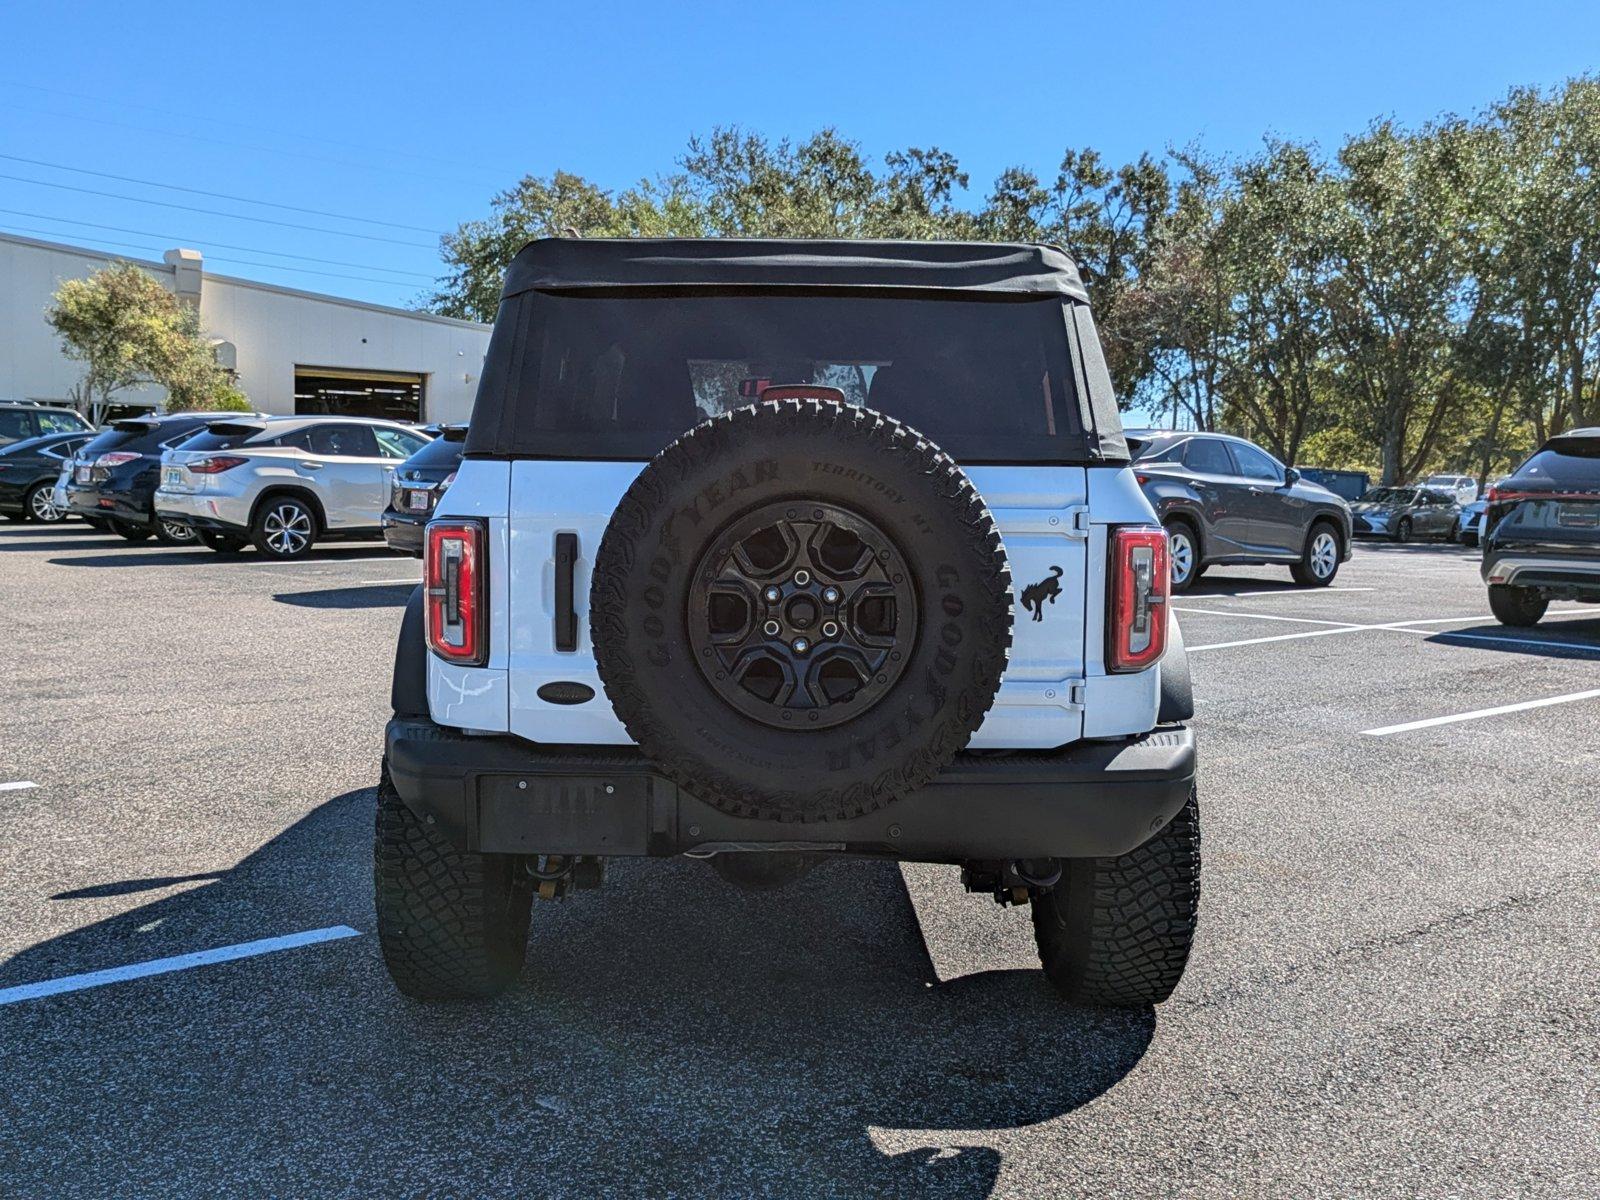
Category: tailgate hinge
[1078,521]
[1077,692]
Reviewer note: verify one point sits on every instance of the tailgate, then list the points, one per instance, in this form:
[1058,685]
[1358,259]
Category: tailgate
[563,508]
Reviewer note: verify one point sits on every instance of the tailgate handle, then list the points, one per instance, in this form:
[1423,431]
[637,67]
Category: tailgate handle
[566,613]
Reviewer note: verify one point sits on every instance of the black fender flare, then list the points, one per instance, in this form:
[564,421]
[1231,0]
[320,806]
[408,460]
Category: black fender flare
[1177,688]
[408,694]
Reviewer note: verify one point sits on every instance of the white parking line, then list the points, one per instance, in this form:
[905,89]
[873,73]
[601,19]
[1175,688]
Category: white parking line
[180,962]
[383,582]
[1517,641]
[1303,591]
[1340,627]
[1214,612]
[1431,722]
[20,785]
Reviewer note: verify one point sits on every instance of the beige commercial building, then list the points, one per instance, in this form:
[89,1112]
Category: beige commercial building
[293,351]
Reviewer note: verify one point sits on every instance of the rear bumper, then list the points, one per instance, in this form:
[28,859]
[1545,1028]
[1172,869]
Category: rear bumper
[199,510]
[129,507]
[505,795]
[1569,575]
[403,531]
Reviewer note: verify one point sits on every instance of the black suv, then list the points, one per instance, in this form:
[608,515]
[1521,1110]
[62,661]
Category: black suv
[116,475]
[1225,500]
[418,484]
[28,473]
[21,422]
[1542,530]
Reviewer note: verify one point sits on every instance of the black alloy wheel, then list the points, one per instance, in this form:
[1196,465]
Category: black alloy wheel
[802,614]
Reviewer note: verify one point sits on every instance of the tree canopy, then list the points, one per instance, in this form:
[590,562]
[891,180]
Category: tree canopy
[1420,299]
[127,329]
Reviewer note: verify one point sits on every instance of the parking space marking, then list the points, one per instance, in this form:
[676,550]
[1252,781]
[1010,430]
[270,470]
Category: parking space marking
[1283,591]
[1213,612]
[1498,710]
[1539,643]
[384,582]
[179,962]
[20,785]
[1340,627]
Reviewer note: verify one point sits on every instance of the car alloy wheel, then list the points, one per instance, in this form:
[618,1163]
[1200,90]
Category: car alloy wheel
[1324,555]
[43,507]
[173,532]
[1180,550]
[802,613]
[287,528]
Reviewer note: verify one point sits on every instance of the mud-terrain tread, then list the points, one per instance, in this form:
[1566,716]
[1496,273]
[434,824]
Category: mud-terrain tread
[611,608]
[452,925]
[1116,932]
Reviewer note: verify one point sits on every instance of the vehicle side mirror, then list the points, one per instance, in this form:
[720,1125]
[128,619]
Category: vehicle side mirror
[1290,477]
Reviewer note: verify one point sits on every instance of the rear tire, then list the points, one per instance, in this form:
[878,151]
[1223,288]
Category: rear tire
[1116,932]
[132,533]
[40,507]
[1319,561]
[452,925]
[1183,547]
[285,528]
[223,543]
[1517,606]
[169,534]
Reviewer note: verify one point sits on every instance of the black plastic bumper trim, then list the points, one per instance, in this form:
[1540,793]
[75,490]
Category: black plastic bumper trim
[498,794]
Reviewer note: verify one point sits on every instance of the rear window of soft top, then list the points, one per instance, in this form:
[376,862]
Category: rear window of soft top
[622,375]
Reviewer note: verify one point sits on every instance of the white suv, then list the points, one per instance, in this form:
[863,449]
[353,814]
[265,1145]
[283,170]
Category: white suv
[284,483]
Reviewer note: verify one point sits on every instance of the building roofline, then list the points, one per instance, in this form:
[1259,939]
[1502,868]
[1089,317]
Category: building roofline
[323,297]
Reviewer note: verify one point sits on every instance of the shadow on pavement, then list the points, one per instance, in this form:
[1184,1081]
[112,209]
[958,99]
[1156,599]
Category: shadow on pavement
[372,595]
[672,1035]
[1575,639]
[157,555]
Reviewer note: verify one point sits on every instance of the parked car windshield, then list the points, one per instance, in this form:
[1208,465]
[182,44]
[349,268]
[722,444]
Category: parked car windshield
[627,374]
[1391,496]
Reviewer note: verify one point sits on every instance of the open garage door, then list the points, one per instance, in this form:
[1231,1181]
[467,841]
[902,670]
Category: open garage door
[397,395]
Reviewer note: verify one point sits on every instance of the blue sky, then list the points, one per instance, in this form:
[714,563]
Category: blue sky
[415,114]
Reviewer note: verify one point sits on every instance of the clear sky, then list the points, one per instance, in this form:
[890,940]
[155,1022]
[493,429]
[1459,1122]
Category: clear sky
[415,114]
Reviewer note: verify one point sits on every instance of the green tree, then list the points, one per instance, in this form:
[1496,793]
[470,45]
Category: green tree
[127,330]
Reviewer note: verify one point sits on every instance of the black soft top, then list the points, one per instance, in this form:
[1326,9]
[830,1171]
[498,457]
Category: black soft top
[1015,271]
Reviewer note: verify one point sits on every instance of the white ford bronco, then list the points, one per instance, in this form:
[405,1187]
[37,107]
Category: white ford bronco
[763,551]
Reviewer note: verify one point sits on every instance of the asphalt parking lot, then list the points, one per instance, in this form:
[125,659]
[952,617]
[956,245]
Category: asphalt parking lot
[1393,993]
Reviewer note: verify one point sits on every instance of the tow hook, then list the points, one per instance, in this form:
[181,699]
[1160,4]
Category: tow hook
[555,875]
[1014,881]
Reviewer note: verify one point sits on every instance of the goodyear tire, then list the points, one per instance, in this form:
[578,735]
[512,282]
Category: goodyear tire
[1116,932]
[801,610]
[451,925]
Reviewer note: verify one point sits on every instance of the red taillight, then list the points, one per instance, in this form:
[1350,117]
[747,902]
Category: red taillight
[1140,582]
[1141,479]
[214,465]
[455,592]
[116,458]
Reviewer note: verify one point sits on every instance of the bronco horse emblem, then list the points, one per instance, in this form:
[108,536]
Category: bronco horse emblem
[1035,594]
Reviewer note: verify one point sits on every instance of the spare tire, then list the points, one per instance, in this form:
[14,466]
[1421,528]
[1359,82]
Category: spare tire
[801,610]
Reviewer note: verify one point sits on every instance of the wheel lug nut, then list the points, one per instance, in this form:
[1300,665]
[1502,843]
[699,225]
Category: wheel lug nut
[801,645]
[831,595]
[801,578]
[772,595]
[770,629]
[830,629]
